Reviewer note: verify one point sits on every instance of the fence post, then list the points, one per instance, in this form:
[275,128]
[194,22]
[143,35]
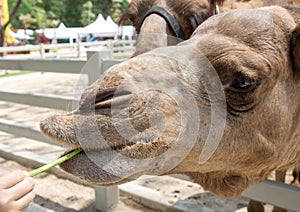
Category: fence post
[78,49]
[105,197]
[110,44]
[95,59]
[42,50]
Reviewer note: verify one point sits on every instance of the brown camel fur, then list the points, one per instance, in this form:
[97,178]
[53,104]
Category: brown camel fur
[255,54]
[233,4]
[154,31]
[248,4]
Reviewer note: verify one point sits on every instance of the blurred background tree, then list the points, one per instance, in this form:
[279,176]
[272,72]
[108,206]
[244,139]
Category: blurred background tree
[25,9]
[67,11]
[102,7]
[116,9]
[26,21]
[7,19]
[87,15]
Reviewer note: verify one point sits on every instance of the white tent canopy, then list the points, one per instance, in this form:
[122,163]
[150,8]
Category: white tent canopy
[110,22]
[61,32]
[99,21]
[61,26]
[20,34]
[101,27]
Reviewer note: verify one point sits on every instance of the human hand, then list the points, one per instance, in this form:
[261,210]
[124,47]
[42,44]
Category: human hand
[16,191]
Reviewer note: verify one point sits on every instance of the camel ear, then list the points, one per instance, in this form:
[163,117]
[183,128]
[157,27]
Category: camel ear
[295,48]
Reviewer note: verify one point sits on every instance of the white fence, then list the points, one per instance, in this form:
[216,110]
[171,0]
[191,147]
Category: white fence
[279,194]
[120,48]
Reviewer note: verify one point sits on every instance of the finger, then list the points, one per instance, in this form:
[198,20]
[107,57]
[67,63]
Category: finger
[26,173]
[24,201]
[11,179]
[21,189]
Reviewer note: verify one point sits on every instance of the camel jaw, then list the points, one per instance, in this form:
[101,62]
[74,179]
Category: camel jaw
[86,170]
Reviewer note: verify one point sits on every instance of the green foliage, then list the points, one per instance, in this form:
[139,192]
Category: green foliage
[87,15]
[40,17]
[73,13]
[118,7]
[54,8]
[25,8]
[26,20]
[102,7]
[14,73]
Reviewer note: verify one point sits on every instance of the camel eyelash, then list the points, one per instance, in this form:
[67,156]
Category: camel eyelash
[242,84]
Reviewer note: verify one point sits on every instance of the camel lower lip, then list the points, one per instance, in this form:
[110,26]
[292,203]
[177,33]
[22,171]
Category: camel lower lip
[80,166]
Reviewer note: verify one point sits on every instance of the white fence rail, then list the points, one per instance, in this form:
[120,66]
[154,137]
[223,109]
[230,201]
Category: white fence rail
[282,195]
[119,48]
[37,99]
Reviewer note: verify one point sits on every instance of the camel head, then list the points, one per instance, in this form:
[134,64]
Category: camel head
[166,22]
[222,107]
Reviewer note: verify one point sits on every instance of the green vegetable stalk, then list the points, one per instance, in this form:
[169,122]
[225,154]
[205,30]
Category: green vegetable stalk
[54,163]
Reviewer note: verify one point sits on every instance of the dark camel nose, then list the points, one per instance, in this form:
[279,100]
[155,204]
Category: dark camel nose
[103,98]
[112,96]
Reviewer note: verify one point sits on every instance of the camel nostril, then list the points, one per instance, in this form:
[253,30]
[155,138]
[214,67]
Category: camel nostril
[105,98]
[105,94]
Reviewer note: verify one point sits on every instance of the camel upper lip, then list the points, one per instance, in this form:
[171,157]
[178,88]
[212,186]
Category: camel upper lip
[73,146]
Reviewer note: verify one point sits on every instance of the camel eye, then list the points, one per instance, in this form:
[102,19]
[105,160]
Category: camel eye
[243,84]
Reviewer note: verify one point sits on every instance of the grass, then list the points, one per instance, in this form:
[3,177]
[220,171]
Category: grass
[15,73]
[54,163]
